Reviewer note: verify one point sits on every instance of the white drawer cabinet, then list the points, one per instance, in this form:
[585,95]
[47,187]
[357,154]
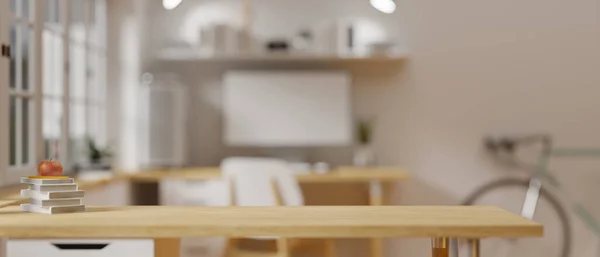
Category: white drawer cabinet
[78,248]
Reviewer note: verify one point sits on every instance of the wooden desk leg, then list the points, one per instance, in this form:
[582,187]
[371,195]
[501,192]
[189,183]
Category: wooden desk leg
[167,247]
[376,198]
[475,247]
[283,248]
[440,247]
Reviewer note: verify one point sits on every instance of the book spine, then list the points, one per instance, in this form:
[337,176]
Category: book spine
[47,181]
[53,188]
[51,195]
[55,202]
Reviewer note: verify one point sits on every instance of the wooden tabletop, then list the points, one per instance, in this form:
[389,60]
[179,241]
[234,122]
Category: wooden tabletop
[340,175]
[304,221]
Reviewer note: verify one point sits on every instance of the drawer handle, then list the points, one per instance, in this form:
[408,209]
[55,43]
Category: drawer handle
[80,246]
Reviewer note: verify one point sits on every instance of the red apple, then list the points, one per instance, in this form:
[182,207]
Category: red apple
[50,168]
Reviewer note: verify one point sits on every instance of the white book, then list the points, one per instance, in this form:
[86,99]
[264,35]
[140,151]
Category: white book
[45,181]
[52,209]
[52,195]
[55,202]
[53,188]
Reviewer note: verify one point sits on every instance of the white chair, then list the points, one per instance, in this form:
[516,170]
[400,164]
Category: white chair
[264,182]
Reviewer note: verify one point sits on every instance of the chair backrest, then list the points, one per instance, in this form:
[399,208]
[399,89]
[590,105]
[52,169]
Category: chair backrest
[252,181]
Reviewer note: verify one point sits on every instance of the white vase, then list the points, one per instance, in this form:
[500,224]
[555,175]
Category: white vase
[364,156]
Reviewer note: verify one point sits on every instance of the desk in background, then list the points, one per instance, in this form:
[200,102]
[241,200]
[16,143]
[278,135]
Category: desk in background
[342,186]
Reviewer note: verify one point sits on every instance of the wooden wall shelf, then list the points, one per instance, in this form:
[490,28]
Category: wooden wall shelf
[191,56]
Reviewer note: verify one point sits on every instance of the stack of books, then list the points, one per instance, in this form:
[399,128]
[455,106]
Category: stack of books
[52,195]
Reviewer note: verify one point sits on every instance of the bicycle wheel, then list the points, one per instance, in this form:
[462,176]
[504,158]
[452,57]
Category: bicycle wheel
[509,194]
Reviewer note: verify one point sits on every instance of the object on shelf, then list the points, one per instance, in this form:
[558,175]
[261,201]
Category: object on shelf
[335,37]
[245,41]
[325,40]
[382,49]
[52,195]
[346,35]
[219,39]
[277,45]
[303,41]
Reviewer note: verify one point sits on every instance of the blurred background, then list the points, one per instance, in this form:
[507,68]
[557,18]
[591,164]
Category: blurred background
[463,95]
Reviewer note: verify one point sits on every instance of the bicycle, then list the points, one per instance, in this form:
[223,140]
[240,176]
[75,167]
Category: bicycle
[505,149]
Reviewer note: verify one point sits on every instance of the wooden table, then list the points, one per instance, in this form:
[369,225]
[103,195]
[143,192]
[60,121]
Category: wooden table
[166,224]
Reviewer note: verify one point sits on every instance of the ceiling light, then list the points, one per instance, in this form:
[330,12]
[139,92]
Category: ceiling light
[171,4]
[384,6]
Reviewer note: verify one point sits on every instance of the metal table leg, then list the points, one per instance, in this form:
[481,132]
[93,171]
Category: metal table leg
[474,247]
[376,198]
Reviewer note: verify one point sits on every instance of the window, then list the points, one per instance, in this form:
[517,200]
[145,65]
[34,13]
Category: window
[77,77]
[96,63]
[53,38]
[87,77]
[21,93]
[52,87]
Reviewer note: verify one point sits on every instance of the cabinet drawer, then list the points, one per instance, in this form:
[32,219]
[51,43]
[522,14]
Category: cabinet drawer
[77,248]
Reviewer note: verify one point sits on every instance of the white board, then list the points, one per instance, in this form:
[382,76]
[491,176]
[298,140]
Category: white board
[287,108]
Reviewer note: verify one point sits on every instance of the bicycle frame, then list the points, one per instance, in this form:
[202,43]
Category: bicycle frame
[541,173]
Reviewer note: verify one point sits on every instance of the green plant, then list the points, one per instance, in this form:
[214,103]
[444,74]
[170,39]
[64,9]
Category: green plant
[95,153]
[364,132]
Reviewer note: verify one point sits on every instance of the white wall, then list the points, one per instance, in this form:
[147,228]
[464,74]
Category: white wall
[486,67]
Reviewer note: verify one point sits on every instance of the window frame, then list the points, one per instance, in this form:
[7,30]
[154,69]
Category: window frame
[36,21]
[4,81]
[61,32]
[13,173]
